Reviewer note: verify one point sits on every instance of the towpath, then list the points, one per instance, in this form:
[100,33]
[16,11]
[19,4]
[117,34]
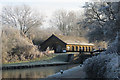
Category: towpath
[76,72]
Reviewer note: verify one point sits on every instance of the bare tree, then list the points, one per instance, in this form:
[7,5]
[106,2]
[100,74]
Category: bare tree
[66,22]
[21,17]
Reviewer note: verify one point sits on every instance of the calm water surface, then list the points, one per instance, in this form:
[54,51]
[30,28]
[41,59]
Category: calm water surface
[39,72]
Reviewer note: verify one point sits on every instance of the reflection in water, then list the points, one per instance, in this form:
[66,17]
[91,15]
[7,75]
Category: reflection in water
[39,72]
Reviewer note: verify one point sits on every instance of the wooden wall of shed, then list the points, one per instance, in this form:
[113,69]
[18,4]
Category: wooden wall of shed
[52,42]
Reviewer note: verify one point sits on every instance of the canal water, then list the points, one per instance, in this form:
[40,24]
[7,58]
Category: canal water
[37,72]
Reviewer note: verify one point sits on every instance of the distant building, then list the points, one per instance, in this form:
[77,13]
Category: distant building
[60,43]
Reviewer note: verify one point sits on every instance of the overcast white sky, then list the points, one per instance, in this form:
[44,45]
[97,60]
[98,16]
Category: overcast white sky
[50,5]
[47,7]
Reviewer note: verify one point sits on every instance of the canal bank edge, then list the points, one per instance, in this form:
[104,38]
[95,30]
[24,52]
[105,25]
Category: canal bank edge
[60,59]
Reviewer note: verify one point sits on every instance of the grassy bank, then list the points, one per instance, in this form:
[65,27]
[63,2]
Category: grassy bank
[50,56]
[46,60]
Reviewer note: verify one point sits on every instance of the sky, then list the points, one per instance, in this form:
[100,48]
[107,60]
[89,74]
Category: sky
[47,7]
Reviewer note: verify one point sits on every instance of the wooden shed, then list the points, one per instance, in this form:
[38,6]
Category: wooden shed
[60,43]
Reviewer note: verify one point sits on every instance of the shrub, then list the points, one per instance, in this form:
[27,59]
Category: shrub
[16,47]
[102,66]
[106,64]
[114,46]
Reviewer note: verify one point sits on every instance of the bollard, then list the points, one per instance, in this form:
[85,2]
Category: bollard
[61,71]
[80,65]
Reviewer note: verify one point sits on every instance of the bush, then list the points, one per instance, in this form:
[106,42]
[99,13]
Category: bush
[16,47]
[102,66]
[114,46]
[106,64]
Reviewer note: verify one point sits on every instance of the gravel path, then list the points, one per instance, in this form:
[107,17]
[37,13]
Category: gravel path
[76,72]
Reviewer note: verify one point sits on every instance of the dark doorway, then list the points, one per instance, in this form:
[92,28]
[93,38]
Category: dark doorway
[86,49]
[89,49]
[72,48]
[80,49]
[83,49]
[76,48]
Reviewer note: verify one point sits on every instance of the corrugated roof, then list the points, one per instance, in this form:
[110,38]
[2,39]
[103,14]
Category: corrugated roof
[87,44]
[73,40]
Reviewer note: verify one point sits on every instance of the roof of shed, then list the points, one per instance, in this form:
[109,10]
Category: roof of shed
[73,40]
